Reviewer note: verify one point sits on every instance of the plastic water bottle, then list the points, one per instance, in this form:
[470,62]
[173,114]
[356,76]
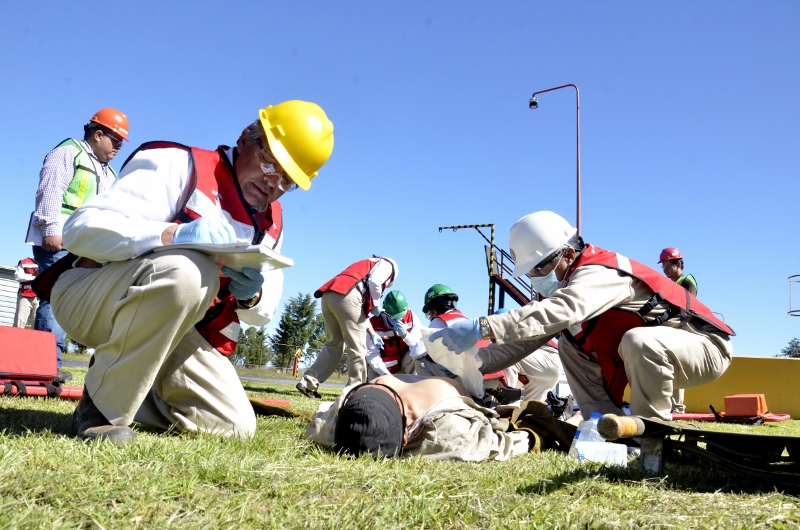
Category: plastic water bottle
[589,445]
[587,430]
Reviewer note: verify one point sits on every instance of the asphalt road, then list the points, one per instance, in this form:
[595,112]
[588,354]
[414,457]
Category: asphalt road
[256,379]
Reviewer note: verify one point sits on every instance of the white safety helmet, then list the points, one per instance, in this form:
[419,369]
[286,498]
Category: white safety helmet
[536,236]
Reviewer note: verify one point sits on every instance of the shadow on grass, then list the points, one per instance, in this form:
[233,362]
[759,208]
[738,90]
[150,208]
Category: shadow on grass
[683,477]
[263,390]
[18,422]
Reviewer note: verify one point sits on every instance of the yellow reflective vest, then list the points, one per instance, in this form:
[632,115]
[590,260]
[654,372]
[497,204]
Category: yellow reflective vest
[85,179]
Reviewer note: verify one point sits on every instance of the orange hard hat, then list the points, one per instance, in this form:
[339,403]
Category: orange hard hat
[669,253]
[114,120]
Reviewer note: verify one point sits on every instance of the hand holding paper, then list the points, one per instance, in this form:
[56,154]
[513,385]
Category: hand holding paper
[244,285]
[207,229]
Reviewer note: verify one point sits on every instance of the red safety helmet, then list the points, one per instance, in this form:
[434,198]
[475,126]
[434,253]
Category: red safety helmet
[114,120]
[669,253]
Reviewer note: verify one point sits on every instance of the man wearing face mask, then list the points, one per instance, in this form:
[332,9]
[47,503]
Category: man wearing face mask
[621,322]
[162,323]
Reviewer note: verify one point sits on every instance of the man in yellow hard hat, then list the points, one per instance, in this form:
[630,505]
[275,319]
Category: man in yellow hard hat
[73,172]
[163,323]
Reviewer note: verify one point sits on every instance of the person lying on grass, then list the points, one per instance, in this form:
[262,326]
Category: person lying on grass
[404,414]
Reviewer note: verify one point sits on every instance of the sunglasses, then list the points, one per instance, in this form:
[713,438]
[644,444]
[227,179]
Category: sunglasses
[115,142]
[537,270]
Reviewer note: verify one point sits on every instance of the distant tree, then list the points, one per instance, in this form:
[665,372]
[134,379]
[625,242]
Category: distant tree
[300,327]
[792,350]
[253,348]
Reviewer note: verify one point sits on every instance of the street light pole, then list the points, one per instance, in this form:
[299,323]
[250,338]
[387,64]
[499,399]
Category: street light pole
[534,104]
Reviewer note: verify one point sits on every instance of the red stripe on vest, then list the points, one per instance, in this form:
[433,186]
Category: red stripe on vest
[393,346]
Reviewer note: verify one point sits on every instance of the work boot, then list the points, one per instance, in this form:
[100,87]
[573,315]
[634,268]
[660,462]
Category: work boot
[307,392]
[88,423]
[63,377]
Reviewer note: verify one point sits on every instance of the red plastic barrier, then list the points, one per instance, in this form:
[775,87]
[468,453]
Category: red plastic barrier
[68,393]
[689,416]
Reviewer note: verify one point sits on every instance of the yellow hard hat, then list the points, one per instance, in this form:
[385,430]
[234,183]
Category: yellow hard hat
[300,137]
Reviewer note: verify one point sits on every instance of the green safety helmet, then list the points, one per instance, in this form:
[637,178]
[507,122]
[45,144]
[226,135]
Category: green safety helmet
[436,291]
[395,304]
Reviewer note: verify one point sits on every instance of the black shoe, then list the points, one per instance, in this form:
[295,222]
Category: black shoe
[88,423]
[63,377]
[313,394]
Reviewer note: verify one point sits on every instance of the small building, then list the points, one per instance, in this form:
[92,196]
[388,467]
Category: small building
[8,295]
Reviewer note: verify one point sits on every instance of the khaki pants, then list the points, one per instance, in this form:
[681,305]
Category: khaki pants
[26,311]
[149,363]
[346,328]
[657,360]
[542,368]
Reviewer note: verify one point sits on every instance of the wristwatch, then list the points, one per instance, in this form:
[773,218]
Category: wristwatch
[483,325]
[251,303]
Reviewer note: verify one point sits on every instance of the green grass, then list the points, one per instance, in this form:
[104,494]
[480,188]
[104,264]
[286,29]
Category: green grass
[279,480]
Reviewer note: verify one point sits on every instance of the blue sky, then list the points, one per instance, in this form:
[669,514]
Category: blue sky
[689,127]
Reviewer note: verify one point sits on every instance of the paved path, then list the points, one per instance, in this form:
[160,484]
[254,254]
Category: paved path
[253,378]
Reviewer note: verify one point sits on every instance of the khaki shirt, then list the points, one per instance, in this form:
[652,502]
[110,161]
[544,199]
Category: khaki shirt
[591,291]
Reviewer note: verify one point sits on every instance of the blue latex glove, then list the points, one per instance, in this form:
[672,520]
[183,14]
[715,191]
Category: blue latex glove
[459,336]
[398,327]
[375,311]
[377,341]
[244,285]
[207,229]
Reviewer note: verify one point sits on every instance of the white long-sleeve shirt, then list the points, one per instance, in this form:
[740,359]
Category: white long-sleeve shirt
[379,275]
[127,220]
[416,347]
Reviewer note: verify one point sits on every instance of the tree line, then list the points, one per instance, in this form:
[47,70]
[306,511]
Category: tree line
[300,330]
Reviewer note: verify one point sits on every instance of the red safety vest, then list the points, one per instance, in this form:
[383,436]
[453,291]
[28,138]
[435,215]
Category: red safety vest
[214,177]
[343,282]
[393,346]
[30,267]
[601,336]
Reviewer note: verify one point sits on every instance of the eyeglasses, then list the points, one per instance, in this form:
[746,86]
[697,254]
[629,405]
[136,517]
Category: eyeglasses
[269,165]
[538,269]
[115,142]
[668,265]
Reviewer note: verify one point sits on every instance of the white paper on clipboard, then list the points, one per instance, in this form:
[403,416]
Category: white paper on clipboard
[236,255]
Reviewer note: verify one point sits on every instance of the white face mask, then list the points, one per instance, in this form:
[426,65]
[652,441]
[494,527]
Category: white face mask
[547,285]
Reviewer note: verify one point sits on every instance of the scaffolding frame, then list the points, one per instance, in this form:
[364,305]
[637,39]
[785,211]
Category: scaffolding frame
[500,271]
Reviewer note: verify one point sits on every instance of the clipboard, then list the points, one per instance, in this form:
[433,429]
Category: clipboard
[236,255]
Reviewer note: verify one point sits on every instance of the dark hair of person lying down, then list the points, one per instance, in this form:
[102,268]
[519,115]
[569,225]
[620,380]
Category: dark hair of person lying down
[371,421]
